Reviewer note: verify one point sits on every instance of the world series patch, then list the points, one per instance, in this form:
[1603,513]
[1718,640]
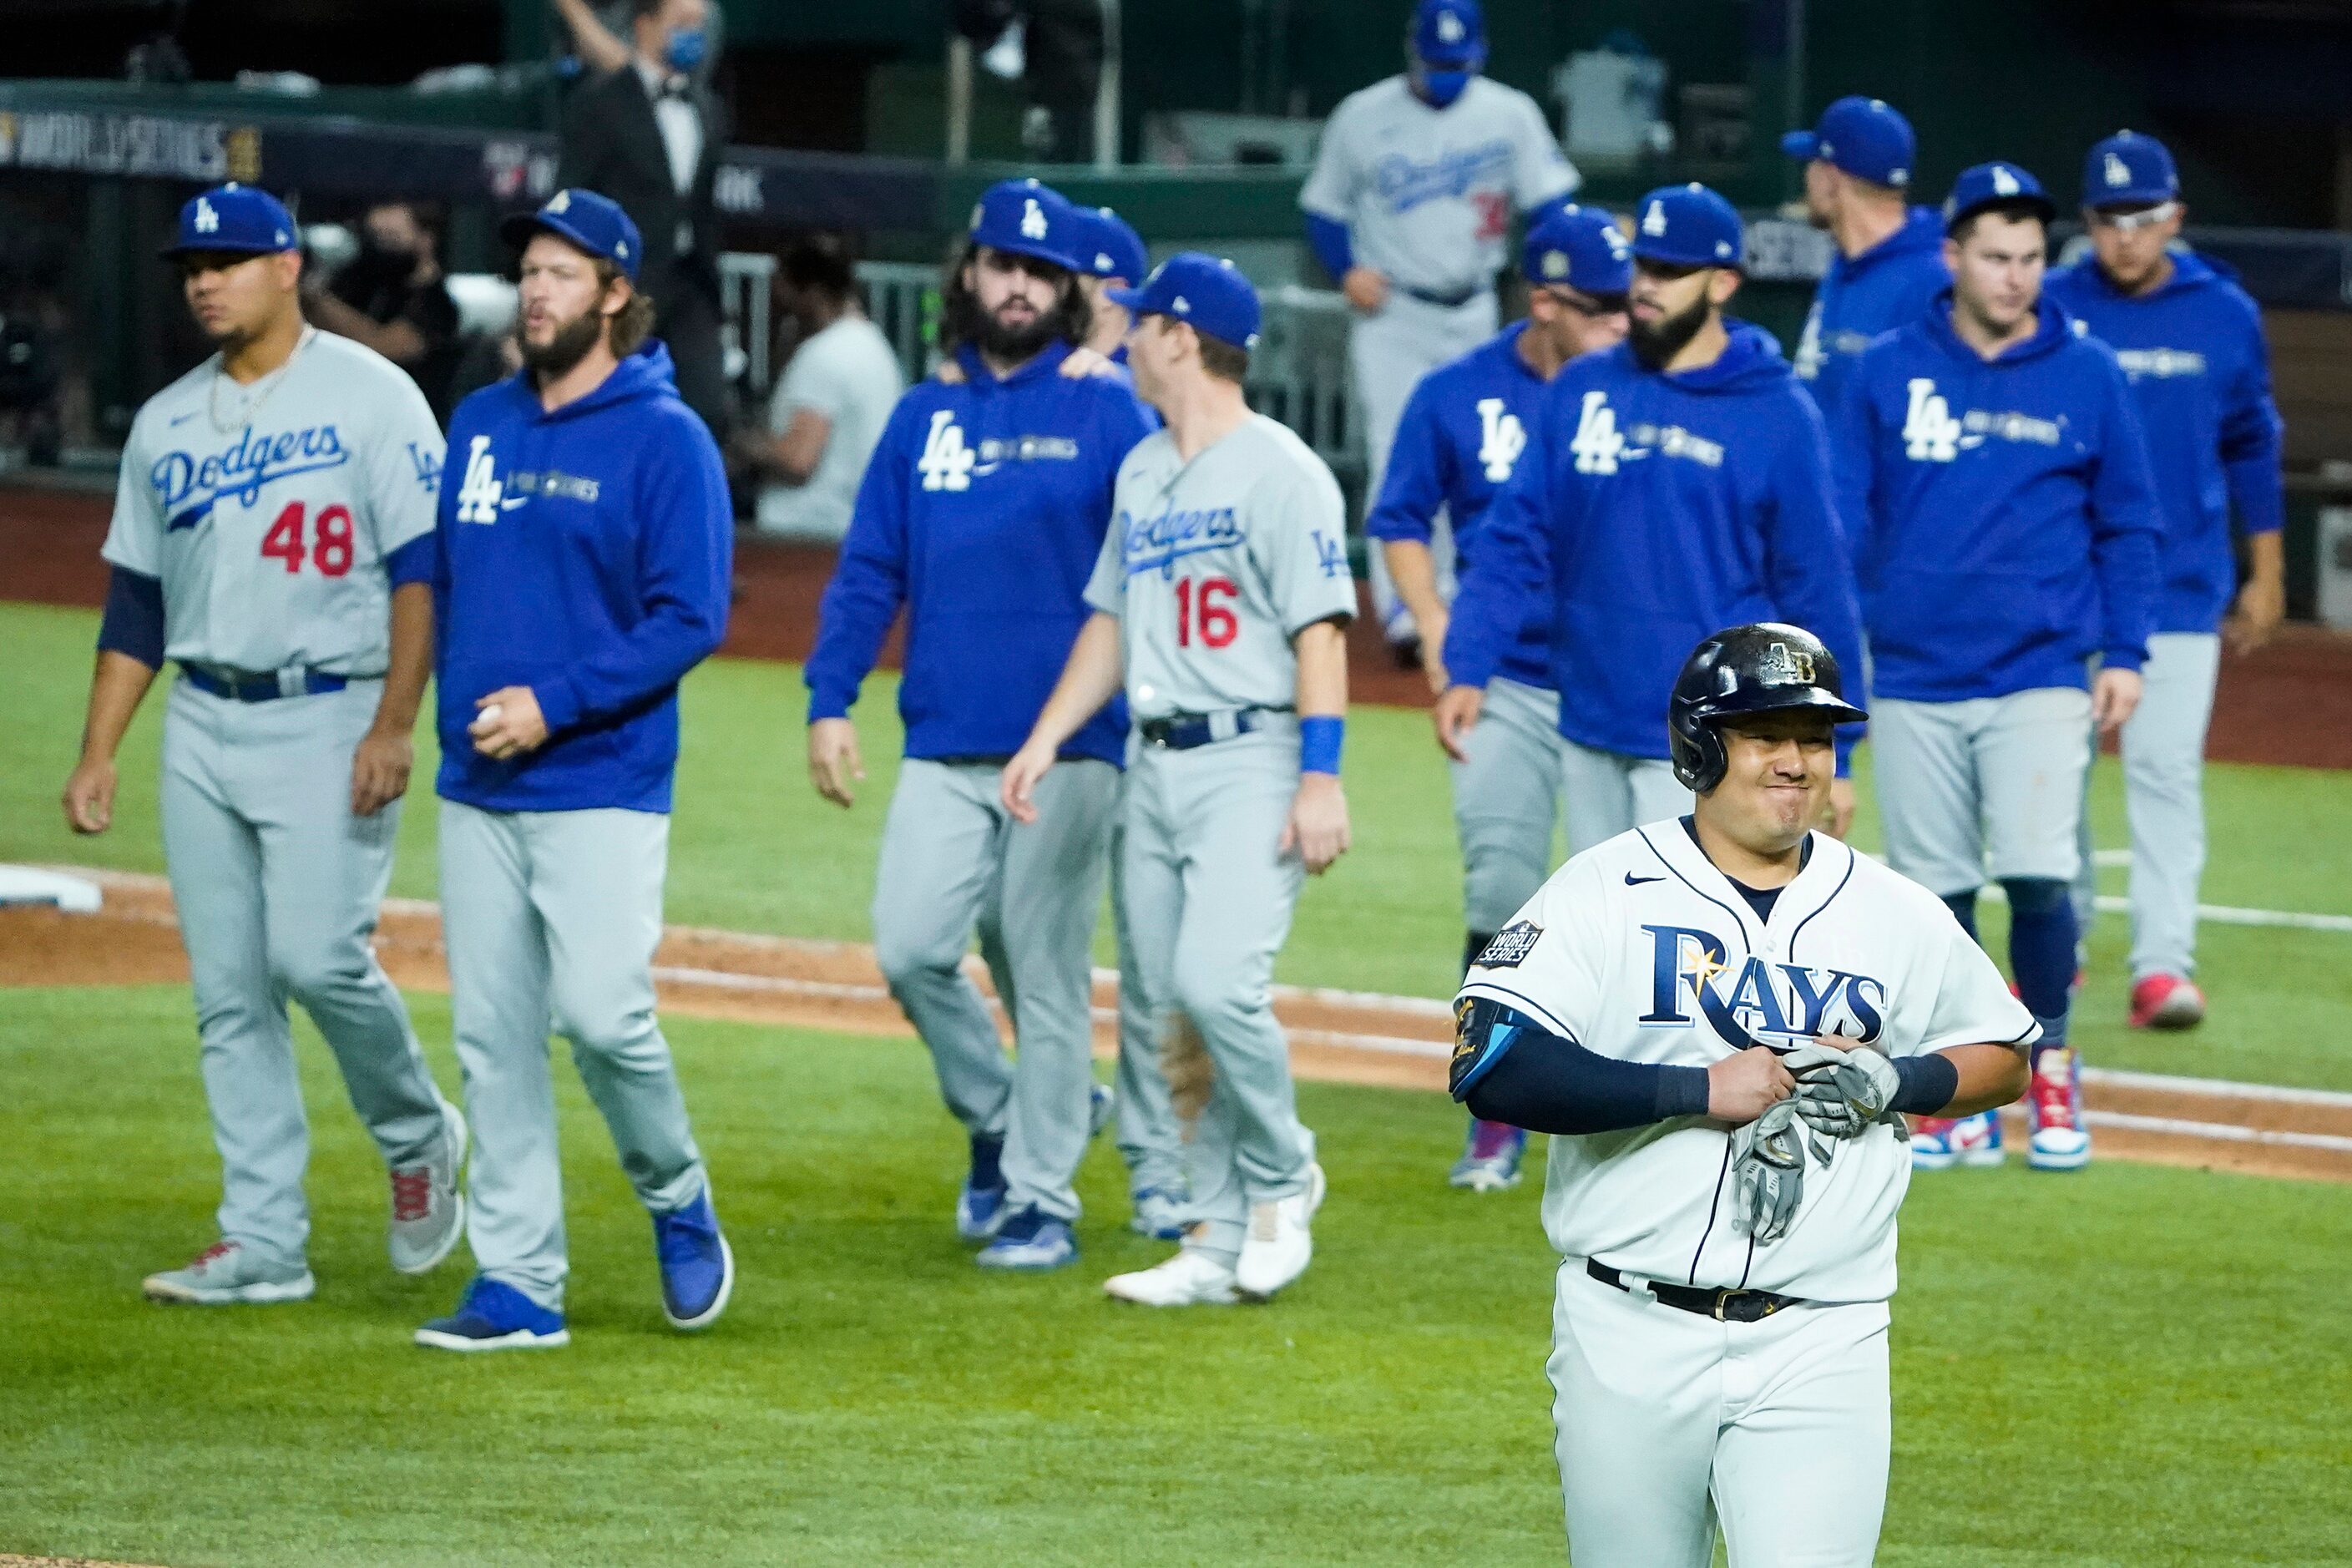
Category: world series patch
[1511,945]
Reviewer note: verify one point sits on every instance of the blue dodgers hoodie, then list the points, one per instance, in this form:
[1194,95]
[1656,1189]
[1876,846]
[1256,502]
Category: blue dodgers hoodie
[585,554]
[2200,376]
[1651,511]
[1463,431]
[982,510]
[2005,526]
[1862,299]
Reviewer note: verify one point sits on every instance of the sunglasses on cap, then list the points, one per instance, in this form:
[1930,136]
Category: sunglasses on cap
[1586,305]
[2123,220]
[1009,261]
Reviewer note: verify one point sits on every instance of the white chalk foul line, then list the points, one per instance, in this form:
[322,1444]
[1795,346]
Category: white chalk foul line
[2220,1131]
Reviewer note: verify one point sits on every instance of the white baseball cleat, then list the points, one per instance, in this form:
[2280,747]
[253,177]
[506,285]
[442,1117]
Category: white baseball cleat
[1190,1279]
[1279,1244]
[428,1213]
[227,1274]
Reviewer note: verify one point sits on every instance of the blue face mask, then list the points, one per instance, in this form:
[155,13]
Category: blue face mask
[1442,88]
[687,47]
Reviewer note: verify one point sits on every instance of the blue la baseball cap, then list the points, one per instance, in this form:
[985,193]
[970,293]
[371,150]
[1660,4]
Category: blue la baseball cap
[1449,34]
[1208,291]
[235,218]
[1995,184]
[594,222]
[1029,217]
[1113,248]
[2129,170]
[1688,226]
[1866,137]
[1581,248]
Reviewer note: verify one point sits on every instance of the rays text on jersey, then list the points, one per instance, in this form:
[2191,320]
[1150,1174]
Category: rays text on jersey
[1754,1002]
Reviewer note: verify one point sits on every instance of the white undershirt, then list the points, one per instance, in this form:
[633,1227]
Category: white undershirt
[681,131]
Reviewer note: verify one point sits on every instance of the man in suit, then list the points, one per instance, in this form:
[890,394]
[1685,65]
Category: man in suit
[646,136]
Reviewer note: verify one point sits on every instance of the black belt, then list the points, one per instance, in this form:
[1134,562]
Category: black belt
[1183,731]
[1723,1306]
[263,684]
[1453,302]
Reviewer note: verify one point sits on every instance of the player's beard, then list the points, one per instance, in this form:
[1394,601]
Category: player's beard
[568,346]
[1655,343]
[1016,344]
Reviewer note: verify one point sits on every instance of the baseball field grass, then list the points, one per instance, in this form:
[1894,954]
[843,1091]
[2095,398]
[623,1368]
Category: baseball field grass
[2132,1366]
[753,848]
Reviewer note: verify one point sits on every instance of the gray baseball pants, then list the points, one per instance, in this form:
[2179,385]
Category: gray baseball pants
[949,852]
[2164,800]
[1388,354]
[551,918]
[1994,779]
[278,886]
[1209,902]
[1506,799]
[1610,792]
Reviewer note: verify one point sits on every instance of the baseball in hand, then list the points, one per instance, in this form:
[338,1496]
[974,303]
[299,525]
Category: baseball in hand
[489,717]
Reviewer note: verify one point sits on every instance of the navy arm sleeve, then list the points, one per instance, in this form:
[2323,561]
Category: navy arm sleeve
[1507,1068]
[1327,238]
[1927,1083]
[133,623]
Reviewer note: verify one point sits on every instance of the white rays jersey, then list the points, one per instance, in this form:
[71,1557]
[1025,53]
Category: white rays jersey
[1213,566]
[267,512]
[1640,950]
[1428,193]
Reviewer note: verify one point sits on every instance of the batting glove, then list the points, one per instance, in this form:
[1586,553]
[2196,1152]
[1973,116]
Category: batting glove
[1840,1094]
[1768,1157]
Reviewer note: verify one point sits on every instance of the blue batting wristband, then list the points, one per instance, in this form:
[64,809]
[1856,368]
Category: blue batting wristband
[1319,736]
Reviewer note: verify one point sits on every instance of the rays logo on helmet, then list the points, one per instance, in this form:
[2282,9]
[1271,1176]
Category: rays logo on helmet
[1779,667]
[1511,946]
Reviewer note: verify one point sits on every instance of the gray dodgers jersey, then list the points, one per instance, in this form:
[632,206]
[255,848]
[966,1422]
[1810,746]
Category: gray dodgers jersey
[1213,566]
[1428,193]
[267,512]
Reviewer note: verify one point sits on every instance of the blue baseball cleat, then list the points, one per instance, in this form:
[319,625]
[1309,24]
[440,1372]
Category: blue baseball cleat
[494,1316]
[1031,1240]
[979,1207]
[1490,1158]
[697,1266]
[1159,1213]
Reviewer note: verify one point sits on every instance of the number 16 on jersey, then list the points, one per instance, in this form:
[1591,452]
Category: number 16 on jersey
[1204,611]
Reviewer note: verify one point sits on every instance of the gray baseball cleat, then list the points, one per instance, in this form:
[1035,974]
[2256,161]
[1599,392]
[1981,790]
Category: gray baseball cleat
[227,1274]
[428,1213]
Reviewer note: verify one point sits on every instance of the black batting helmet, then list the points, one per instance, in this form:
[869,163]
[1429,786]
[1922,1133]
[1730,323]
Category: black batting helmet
[1767,667]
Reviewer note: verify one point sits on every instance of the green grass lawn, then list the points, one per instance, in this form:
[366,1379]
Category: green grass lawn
[753,848]
[2132,1366]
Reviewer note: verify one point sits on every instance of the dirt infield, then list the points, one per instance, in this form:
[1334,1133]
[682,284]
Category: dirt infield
[2291,703]
[1340,1036]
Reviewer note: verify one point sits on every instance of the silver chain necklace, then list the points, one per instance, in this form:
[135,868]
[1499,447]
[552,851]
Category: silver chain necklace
[256,393]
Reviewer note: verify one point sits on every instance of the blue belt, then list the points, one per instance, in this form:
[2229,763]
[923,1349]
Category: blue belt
[1453,302]
[261,685]
[1183,731]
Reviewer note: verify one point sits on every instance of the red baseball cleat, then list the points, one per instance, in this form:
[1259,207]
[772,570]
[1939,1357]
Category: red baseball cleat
[2166,1002]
